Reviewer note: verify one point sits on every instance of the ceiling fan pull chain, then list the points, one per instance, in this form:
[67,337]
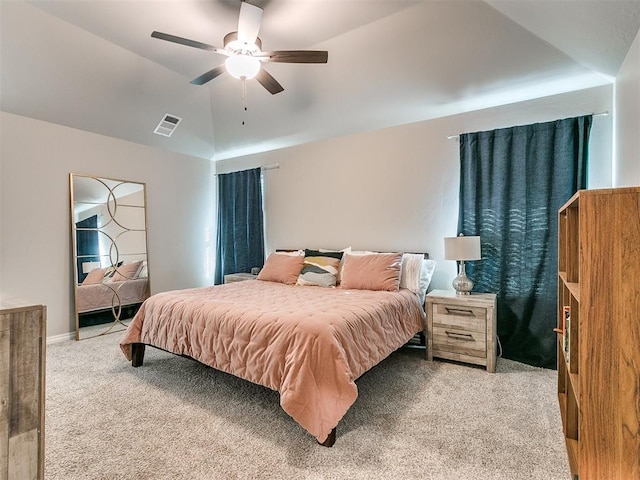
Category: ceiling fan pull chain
[244,98]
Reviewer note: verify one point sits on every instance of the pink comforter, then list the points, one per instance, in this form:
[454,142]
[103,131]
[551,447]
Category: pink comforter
[100,296]
[308,343]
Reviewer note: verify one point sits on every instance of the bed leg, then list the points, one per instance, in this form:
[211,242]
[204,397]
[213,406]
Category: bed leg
[137,354]
[331,439]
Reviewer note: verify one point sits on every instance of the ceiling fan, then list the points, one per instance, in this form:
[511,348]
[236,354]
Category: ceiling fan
[243,50]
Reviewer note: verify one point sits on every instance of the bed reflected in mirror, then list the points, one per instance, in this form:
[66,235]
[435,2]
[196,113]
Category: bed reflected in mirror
[109,241]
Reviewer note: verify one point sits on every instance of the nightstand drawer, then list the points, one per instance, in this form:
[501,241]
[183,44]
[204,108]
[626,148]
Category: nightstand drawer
[471,319]
[463,342]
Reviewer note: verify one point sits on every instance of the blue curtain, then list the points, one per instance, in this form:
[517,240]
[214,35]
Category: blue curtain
[512,183]
[87,244]
[240,242]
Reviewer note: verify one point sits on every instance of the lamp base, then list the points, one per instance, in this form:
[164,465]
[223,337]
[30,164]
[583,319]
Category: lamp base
[462,284]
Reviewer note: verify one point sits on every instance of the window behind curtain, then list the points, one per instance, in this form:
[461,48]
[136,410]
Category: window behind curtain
[512,183]
[87,244]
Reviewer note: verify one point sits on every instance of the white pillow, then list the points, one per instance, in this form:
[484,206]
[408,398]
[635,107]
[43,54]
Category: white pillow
[428,267]
[142,271]
[410,273]
[294,253]
[416,274]
[344,250]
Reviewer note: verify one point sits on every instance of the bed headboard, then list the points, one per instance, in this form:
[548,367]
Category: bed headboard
[426,255]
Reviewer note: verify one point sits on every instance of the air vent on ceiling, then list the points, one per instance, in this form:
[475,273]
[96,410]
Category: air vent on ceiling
[167,125]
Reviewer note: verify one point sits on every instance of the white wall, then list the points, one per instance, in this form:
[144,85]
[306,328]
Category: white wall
[35,248]
[397,188]
[392,189]
[627,137]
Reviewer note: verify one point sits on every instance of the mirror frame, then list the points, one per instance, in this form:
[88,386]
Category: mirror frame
[112,260]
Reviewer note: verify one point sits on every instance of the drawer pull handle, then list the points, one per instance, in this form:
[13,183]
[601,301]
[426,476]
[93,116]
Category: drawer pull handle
[461,336]
[459,311]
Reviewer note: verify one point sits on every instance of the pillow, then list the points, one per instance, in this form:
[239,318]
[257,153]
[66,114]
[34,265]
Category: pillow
[291,253]
[142,271]
[109,272]
[94,276]
[410,273]
[377,271]
[127,271]
[281,268]
[344,250]
[428,267]
[320,268]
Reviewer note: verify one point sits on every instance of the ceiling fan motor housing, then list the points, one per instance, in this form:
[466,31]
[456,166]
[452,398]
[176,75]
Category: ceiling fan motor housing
[232,43]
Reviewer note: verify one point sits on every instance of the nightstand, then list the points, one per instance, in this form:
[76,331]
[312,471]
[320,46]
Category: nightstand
[462,327]
[239,277]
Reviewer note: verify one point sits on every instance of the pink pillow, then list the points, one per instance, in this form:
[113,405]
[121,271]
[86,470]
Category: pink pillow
[94,276]
[378,271]
[126,271]
[282,268]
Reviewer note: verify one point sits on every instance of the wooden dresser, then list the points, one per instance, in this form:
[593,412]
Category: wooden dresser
[22,389]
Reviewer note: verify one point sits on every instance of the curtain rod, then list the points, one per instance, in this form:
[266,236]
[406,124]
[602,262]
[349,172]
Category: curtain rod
[275,166]
[601,114]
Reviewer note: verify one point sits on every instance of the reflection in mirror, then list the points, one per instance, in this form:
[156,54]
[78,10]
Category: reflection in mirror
[109,239]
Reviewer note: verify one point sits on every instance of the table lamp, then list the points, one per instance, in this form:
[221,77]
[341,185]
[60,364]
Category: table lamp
[460,249]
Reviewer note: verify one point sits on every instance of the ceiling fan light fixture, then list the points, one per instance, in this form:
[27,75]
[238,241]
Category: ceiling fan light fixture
[242,66]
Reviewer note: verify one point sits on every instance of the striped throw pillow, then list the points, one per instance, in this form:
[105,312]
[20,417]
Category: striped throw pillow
[320,268]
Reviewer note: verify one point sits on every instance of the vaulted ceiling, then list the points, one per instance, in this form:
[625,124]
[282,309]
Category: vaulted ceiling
[92,64]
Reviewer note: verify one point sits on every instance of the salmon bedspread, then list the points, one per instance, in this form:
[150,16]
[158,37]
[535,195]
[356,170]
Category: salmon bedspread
[308,343]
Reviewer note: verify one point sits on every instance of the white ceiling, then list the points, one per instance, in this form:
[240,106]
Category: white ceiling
[92,64]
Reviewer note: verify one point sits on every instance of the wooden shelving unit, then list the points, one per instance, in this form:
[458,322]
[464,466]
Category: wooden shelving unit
[598,377]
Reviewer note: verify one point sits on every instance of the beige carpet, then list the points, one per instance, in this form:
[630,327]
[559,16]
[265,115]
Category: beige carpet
[176,419]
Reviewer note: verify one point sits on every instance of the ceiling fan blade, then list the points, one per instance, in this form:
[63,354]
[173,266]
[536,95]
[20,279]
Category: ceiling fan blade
[187,42]
[210,75]
[265,79]
[249,23]
[296,56]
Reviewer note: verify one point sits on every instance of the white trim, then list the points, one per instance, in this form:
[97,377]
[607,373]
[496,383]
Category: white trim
[63,337]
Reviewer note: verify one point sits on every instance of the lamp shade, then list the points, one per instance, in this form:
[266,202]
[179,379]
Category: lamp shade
[462,248]
[242,66]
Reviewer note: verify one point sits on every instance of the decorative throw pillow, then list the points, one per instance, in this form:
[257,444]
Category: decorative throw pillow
[378,271]
[94,276]
[126,271]
[109,272]
[281,268]
[410,274]
[344,250]
[320,268]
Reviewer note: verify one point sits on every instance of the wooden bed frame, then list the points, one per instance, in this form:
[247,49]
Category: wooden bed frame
[138,349]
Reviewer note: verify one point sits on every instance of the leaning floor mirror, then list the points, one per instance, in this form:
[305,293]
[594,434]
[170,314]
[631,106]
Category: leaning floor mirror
[109,243]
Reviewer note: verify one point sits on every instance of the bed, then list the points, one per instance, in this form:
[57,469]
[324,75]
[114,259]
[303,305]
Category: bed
[105,292]
[101,296]
[290,334]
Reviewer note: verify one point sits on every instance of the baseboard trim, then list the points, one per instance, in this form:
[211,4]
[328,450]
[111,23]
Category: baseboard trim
[63,337]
